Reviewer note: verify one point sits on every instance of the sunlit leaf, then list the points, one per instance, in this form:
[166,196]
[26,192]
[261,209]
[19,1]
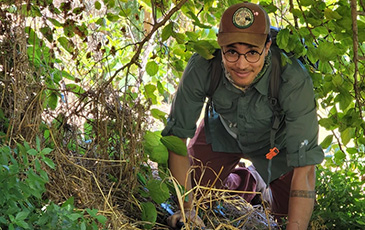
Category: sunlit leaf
[150,93]
[97,5]
[327,142]
[347,135]
[151,68]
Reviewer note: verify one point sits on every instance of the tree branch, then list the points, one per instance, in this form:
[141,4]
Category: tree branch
[355,41]
[140,44]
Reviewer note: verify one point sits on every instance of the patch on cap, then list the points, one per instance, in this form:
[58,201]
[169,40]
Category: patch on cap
[243,18]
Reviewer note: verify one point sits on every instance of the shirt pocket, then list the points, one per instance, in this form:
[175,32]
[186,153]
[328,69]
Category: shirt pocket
[225,105]
[259,117]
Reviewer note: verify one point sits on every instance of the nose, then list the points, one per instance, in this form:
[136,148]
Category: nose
[242,63]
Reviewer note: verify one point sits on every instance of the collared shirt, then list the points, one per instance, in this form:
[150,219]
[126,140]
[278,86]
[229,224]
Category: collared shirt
[249,115]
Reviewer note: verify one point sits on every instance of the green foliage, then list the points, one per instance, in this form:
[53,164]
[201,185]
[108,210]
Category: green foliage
[340,197]
[22,185]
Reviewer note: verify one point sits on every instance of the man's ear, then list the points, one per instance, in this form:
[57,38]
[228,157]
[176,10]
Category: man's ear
[267,47]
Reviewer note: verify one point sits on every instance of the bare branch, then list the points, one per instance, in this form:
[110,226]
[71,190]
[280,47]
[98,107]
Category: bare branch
[355,59]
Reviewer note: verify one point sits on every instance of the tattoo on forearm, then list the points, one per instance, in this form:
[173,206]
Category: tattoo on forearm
[303,193]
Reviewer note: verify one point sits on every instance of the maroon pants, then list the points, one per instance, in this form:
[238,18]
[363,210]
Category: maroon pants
[210,164]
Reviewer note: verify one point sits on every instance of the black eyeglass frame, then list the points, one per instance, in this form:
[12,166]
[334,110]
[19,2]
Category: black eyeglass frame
[239,55]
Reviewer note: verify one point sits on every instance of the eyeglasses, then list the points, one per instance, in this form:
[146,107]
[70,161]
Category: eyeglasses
[251,56]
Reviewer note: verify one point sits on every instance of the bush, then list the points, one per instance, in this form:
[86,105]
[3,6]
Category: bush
[22,187]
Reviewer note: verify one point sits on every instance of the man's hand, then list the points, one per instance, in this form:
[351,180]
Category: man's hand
[190,216]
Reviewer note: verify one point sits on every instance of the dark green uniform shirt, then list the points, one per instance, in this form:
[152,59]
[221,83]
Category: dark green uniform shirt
[249,115]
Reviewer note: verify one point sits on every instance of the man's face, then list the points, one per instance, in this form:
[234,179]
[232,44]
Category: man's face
[243,72]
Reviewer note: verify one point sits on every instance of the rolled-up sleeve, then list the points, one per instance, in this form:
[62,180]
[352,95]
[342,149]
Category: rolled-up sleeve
[301,120]
[189,99]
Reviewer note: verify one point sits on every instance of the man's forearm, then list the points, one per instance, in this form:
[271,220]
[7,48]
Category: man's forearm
[179,167]
[302,196]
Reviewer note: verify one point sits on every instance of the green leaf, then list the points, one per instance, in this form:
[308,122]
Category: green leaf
[74,216]
[49,162]
[331,15]
[92,212]
[55,22]
[159,154]
[179,37]
[149,214]
[22,215]
[339,157]
[151,68]
[204,48]
[52,100]
[69,202]
[46,151]
[78,10]
[327,51]
[32,152]
[102,219]
[306,2]
[97,5]
[151,139]
[38,143]
[47,33]
[345,99]
[282,38]
[141,178]
[22,224]
[324,66]
[347,135]
[112,17]
[167,31]
[75,88]
[83,226]
[66,44]
[158,114]
[158,190]
[197,22]
[175,144]
[149,92]
[154,148]
[327,142]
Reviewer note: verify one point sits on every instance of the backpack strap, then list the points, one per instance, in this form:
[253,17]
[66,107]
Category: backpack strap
[215,77]
[274,88]
[275,81]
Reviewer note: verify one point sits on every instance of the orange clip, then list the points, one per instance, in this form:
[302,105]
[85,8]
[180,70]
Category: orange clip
[273,152]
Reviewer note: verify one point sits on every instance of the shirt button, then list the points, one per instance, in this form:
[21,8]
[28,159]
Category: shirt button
[240,116]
